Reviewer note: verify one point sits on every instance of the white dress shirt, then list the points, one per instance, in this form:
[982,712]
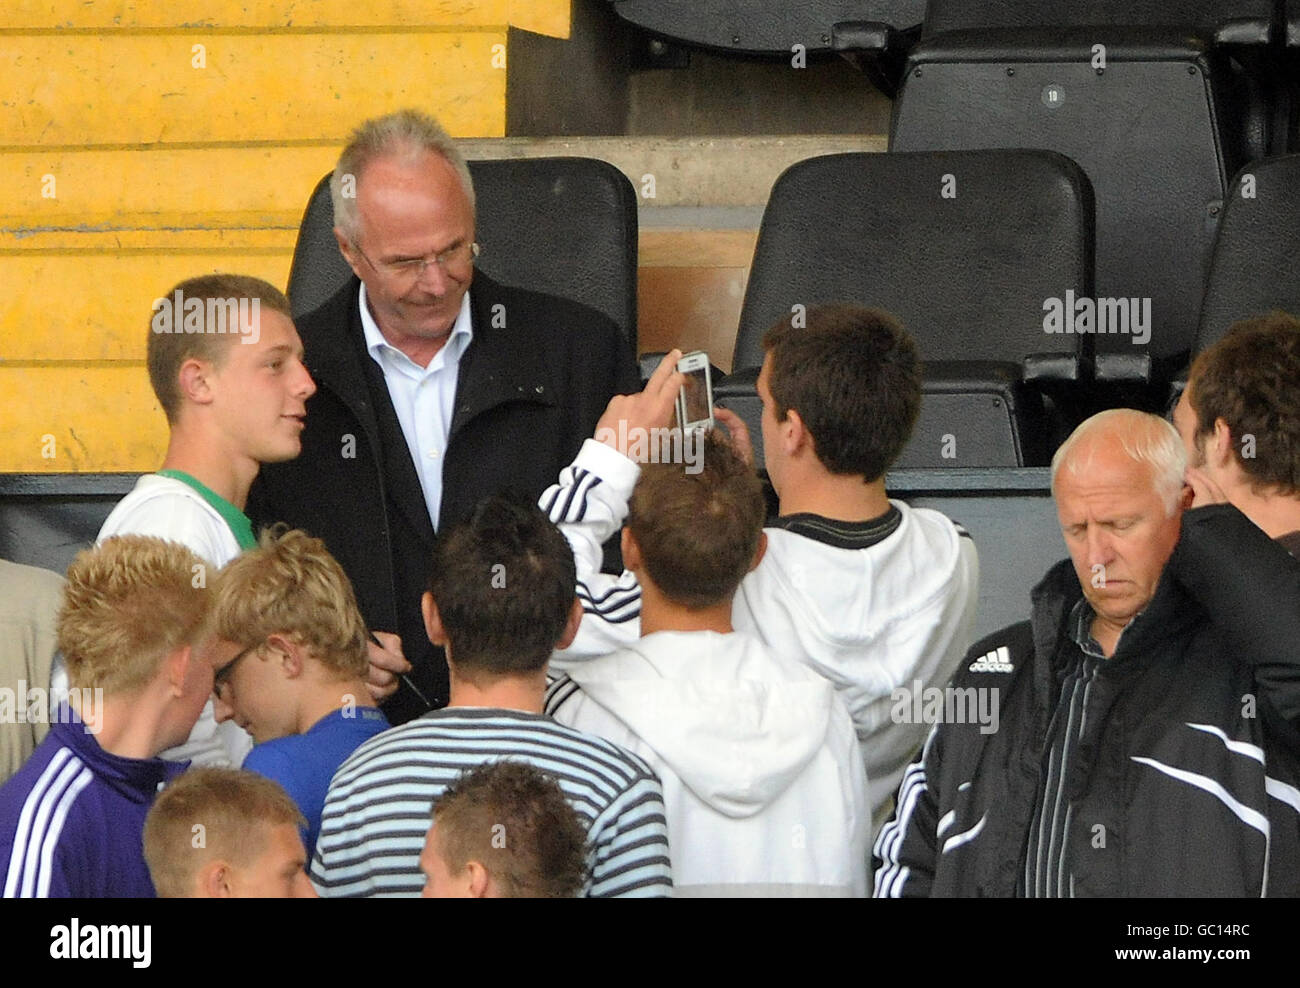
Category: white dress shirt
[423,397]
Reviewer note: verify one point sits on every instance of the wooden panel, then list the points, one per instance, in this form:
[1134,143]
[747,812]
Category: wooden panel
[141,89]
[674,248]
[89,186]
[101,418]
[691,308]
[166,235]
[104,301]
[197,15]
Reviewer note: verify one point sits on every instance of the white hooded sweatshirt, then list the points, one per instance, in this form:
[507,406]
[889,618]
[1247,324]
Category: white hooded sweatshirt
[872,620]
[763,781]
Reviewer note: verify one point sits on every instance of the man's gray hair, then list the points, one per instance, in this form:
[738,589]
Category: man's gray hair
[404,133]
[1146,438]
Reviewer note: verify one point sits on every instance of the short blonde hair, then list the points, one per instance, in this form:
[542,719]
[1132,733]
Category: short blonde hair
[129,602]
[235,809]
[166,352]
[291,585]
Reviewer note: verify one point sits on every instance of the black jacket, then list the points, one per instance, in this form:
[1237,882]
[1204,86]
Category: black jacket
[527,394]
[1216,650]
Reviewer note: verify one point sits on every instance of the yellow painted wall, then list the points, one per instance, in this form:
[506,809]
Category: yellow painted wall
[143,142]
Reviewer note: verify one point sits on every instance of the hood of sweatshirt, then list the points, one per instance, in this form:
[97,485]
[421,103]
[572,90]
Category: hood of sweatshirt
[736,723]
[843,597]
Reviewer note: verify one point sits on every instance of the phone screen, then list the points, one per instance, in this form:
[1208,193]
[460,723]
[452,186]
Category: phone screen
[696,392]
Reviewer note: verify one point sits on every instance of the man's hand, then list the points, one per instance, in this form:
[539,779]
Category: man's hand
[739,433]
[1204,490]
[627,416]
[387,662]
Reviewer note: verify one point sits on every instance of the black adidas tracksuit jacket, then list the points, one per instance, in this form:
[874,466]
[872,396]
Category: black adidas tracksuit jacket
[1181,772]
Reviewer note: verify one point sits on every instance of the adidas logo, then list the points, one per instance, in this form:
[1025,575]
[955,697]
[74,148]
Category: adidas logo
[999,660]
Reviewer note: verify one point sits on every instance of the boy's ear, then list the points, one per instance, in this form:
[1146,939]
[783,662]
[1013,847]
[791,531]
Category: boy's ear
[570,626]
[631,551]
[1218,446]
[794,434]
[760,552]
[432,620]
[214,881]
[194,383]
[478,879]
[176,667]
[292,654]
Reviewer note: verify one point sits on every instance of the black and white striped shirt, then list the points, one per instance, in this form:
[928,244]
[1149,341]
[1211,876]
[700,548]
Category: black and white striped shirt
[1047,873]
[377,813]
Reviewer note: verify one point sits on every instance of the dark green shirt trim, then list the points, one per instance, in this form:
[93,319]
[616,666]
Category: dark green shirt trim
[237,521]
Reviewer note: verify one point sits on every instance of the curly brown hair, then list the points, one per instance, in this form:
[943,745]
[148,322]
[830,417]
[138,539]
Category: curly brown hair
[1251,380]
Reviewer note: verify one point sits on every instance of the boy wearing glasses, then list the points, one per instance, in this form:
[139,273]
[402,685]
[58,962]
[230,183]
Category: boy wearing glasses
[296,680]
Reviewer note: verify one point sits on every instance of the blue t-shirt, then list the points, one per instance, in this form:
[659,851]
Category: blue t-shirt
[305,763]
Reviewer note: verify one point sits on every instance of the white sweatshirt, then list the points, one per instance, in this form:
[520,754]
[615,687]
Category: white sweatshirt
[763,782]
[871,620]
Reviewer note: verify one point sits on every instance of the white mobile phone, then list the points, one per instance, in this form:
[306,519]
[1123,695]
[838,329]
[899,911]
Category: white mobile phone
[695,400]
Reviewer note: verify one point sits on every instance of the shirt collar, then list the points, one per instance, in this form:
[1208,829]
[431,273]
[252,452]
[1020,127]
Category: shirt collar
[462,332]
[1081,629]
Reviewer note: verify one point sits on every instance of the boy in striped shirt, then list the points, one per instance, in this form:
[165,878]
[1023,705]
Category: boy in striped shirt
[133,632]
[500,599]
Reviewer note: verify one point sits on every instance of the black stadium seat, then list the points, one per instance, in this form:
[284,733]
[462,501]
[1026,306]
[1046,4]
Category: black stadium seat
[874,34]
[1218,21]
[566,226]
[765,27]
[965,248]
[1256,264]
[1157,128]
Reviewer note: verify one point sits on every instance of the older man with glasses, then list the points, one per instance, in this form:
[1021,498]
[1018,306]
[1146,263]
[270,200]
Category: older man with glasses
[431,395]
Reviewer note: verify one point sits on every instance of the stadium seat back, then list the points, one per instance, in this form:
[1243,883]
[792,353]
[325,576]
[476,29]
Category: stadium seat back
[963,247]
[565,226]
[1256,263]
[1146,131]
[764,27]
[968,249]
[1237,21]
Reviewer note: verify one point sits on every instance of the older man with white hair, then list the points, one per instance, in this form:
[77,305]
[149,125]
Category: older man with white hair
[1147,738]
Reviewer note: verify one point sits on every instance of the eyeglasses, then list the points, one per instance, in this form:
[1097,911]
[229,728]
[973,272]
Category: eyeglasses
[221,678]
[411,269]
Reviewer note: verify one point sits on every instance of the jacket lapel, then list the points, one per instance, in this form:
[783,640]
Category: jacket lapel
[502,364]
[346,368]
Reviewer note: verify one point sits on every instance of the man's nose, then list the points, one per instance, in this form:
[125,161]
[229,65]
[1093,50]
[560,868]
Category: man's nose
[1100,546]
[433,279]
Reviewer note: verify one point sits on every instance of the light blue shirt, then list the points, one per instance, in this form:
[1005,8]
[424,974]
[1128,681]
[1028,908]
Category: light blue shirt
[423,397]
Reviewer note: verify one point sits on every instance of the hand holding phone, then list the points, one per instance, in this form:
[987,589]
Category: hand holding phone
[695,400]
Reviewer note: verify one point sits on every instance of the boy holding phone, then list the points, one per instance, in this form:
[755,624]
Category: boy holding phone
[867,591]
